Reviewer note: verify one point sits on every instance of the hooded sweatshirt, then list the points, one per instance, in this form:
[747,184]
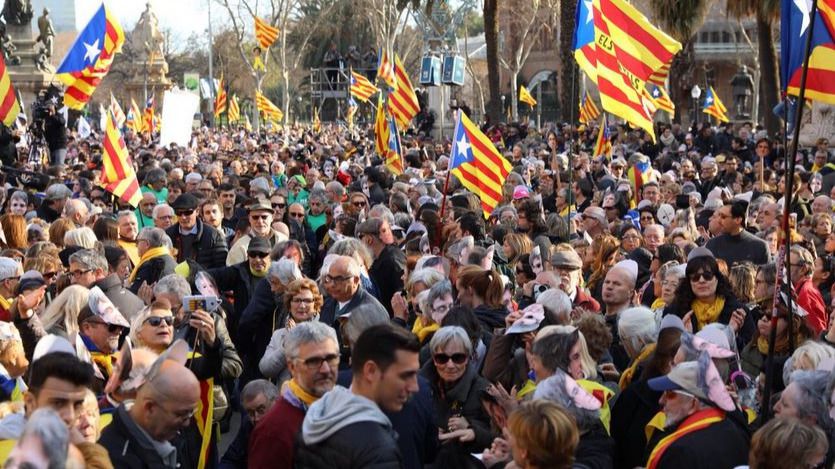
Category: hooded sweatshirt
[336,410]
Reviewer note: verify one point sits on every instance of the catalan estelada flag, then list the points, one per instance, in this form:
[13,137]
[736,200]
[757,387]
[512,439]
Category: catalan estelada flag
[150,123]
[387,139]
[234,113]
[584,49]
[385,68]
[477,164]
[525,96]
[588,110]
[264,33]
[648,102]
[135,121]
[361,88]
[714,107]
[794,31]
[352,111]
[604,141]
[9,107]
[662,100]
[118,177]
[267,108]
[90,57]
[403,102]
[220,98]
[638,175]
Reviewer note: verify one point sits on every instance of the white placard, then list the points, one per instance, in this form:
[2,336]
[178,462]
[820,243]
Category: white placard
[177,115]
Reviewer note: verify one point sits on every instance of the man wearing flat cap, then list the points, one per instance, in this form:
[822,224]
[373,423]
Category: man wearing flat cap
[568,265]
[242,277]
[261,226]
[193,239]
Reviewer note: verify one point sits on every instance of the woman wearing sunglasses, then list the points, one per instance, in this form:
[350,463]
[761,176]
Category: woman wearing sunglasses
[457,388]
[154,327]
[303,302]
[705,296]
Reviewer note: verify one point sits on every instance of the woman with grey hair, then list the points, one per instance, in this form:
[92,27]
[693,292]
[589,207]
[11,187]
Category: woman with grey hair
[807,398]
[44,442]
[457,388]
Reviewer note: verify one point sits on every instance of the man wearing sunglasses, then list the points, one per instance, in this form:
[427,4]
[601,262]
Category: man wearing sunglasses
[194,239]
[260,226]
[101,325]
[241,278]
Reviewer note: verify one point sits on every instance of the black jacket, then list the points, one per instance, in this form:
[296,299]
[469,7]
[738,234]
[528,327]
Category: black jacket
[745,333]
[595,449]
[239,280]
[124,449]
[152,271]
[464,400]
[47,213]
[55,131]
[633,409]
[255,328]
[721,445]
[387,274]
[123,299]
[208,247]
[490,318]
[8,151]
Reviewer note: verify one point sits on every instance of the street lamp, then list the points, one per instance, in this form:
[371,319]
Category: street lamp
[503,109]
[695,93]
[298,108]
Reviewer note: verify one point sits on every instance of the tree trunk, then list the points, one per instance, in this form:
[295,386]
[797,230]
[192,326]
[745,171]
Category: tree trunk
[570,79]
[491,38]
[682,79]
[769,86]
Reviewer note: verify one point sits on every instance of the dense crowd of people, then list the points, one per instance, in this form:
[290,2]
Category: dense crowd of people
[350,317]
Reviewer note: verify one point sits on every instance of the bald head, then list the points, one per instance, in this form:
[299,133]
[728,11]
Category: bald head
[166,404]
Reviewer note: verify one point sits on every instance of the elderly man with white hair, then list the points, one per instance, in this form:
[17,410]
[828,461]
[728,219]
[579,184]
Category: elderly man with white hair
[77,212]
[155,261]
[10,273]
[192,180]
[163,216]
[637,330]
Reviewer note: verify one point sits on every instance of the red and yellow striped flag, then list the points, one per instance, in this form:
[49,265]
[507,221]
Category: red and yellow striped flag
[150,124]
[317,124]
[118,177]
[525,96]
[714,106]
[9,107]
[361,88]
[588,110]
[134,118]
[603,146]
[403,102]
[90,57]
[265,106]
[385,69]
[220,98]
[118,113]
[662,100]
[234,114]
[264,33]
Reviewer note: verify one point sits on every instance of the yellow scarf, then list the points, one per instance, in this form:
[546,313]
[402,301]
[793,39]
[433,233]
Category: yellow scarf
[104,361]
[303,395]
[257,63]
[421,331]
[626,377]
[707,313]
[4,303]
[258,273]
[658,303]
[149,254]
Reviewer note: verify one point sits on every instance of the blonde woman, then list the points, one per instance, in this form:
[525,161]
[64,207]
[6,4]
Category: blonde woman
[81,237]
[61,316]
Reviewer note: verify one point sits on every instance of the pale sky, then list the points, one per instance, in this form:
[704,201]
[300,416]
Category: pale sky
[182,16]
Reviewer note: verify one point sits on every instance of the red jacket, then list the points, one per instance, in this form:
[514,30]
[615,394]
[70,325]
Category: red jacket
[272,441]
[810,299]
[585,301]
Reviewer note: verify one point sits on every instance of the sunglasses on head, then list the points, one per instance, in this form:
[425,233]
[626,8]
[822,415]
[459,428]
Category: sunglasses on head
[457,358]
[707,276]
[156,321]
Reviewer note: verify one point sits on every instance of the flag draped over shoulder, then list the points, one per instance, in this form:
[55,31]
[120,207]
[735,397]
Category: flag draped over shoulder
[794,31]
[361,88]
[266,107]
[234,113]
[385,68]
[628,53]
[220,98]
[90,57]
[9,107]
[588,110]
[525,96]
[714,107]
[477,164]
[264,33]
[604,141]
[403,102]
[118,177]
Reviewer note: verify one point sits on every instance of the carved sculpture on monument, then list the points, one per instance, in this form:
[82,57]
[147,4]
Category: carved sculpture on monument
[817,123]
[149,68]
[46,33]
[18,12]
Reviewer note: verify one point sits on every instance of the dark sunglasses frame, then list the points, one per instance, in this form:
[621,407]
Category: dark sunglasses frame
[156,321]
[457,358]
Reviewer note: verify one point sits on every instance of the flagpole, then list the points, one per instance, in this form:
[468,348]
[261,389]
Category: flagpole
[446,182]
[787,203]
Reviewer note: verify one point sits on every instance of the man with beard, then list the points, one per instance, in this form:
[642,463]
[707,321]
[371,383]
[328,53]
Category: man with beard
[260,226]
[313,360]
[212,215]
[701,427]
[241,278]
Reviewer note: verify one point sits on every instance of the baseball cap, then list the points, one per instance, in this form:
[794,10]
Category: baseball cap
[701,379]
[30,280]
[100,305]
[521,192]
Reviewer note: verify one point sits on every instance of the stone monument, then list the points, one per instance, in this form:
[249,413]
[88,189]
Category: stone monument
[27,58]
[743,88]
[149,68]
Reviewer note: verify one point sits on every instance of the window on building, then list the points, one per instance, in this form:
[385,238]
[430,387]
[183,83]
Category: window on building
[714,37]
[726,37]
